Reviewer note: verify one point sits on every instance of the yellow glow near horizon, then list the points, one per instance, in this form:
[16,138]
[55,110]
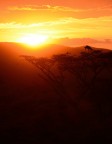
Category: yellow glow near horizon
[33,39]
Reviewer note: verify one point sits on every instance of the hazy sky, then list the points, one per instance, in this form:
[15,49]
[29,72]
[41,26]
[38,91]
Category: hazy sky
[56,18]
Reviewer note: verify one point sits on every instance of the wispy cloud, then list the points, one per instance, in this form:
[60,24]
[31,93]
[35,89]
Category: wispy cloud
[15,8]
[71,27]
[87,22]
[11,25]
[61,11]
[14,25]
[56,8]
[42,7]
[104,43]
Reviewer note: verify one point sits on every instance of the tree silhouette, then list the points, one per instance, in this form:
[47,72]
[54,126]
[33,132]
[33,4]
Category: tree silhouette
[89,48]
[48,72]
[85,70]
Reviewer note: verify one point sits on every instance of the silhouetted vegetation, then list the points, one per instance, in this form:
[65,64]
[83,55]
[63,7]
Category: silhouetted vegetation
[68,101]
[89,48]
[85,69]
[83,85]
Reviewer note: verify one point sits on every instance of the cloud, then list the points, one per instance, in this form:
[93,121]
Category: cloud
[10,25]
[15,8]
[14,25]
[74,22]
[68,26]
[74,42]
[42,7]
[65,11]
[84,40]
[57,8]
[41,24]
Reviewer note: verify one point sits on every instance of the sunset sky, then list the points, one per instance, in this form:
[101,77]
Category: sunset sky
[67,20]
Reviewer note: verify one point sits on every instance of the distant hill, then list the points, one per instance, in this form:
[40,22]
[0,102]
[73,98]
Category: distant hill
[42,51]
[19,49]
[13,67]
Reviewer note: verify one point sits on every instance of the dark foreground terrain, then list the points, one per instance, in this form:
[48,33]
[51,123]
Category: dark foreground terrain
[61,99]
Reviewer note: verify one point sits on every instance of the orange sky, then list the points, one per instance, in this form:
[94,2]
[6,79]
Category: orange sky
[56,18]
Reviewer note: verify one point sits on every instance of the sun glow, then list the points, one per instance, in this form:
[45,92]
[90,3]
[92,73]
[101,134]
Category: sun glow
[33,39]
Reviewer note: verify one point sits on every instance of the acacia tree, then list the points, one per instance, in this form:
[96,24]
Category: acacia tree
[85,69]
[47,70]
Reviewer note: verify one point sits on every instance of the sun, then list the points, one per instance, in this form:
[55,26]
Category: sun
[33,39]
